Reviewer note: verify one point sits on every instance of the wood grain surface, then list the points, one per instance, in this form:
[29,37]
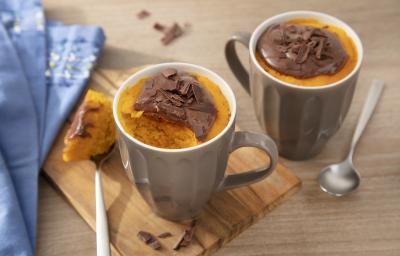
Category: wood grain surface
[312,223]
[226,215]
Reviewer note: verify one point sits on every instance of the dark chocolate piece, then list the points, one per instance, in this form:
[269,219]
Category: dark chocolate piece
[159,27]
[185,86]
[143,14]
[171,33]
[169,72]
[178,97]
[301,51]
[169,84]
[164,235]
[318,50]
[175,99]
[149,239]
[186,238]
[79,125]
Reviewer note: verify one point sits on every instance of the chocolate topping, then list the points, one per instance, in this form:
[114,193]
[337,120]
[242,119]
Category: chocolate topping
[178,97]
[301,51]
[79,125]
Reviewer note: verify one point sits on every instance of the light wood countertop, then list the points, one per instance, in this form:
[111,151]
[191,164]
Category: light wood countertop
[311,222]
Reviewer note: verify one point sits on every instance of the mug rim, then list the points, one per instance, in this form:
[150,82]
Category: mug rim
[180,66]
[310,14]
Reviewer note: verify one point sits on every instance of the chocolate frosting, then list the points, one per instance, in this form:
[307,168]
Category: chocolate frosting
[301,51]
[178,97]
[79,125]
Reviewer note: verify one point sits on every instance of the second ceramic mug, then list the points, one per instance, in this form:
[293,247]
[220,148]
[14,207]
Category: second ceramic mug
[300,119]
[177,183]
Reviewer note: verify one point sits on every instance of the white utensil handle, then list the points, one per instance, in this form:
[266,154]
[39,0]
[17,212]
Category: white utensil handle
[102,239]
[369,106]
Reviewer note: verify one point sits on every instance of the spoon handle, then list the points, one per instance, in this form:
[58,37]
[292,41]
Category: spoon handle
[367,111]
[102,238]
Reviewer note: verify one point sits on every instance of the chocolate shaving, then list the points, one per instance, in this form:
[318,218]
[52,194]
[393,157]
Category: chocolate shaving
[307,34]
[145,236]
[189,101]
[164,235]
[197,93]
[185,86]
[319,32]
[282,48]
[149,239]
[318,50]
[186,238]
[159,27]
[148,84]
[171,112]
[180,98]
[171,33]
[168,84]
[202,108]
[143,14]
[169,72]
[303,54]
[291,29]
[175,99]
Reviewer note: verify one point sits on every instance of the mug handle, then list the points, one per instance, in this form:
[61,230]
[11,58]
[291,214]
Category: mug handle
[257,140]
[233,60]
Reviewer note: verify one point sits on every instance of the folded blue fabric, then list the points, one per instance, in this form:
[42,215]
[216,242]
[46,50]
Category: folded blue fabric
[43,71]
[24,22]
[26,28]
[18,136]
[73,51]
[14,238]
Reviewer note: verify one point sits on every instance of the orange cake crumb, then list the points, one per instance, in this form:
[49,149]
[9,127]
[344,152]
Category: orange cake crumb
[93,129]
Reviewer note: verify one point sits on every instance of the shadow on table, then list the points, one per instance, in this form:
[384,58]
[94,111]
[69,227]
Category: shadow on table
[119,182]
[57,13]
[118,58]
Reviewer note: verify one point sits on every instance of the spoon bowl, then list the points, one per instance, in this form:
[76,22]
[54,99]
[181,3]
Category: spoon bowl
[342,178]
[339,179]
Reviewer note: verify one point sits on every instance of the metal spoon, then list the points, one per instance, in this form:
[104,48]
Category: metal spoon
[102,237]
[342,178]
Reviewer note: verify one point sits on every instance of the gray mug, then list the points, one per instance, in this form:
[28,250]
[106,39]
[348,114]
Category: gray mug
[177,183]
[300,119]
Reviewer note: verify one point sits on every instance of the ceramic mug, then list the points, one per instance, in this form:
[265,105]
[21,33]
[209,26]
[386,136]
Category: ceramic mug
[177,183]
[300,119]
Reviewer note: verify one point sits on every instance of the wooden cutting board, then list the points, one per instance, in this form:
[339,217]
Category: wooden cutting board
[226,215]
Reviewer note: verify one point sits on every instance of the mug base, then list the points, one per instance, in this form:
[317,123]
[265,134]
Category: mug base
[299,156]
[178,218]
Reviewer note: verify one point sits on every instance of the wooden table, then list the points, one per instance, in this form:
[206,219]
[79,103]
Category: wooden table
[311,223]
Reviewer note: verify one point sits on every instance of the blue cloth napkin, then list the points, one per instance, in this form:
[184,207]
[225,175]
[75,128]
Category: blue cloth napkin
[20,154]
[73,51]
[14,237]
[43,70]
